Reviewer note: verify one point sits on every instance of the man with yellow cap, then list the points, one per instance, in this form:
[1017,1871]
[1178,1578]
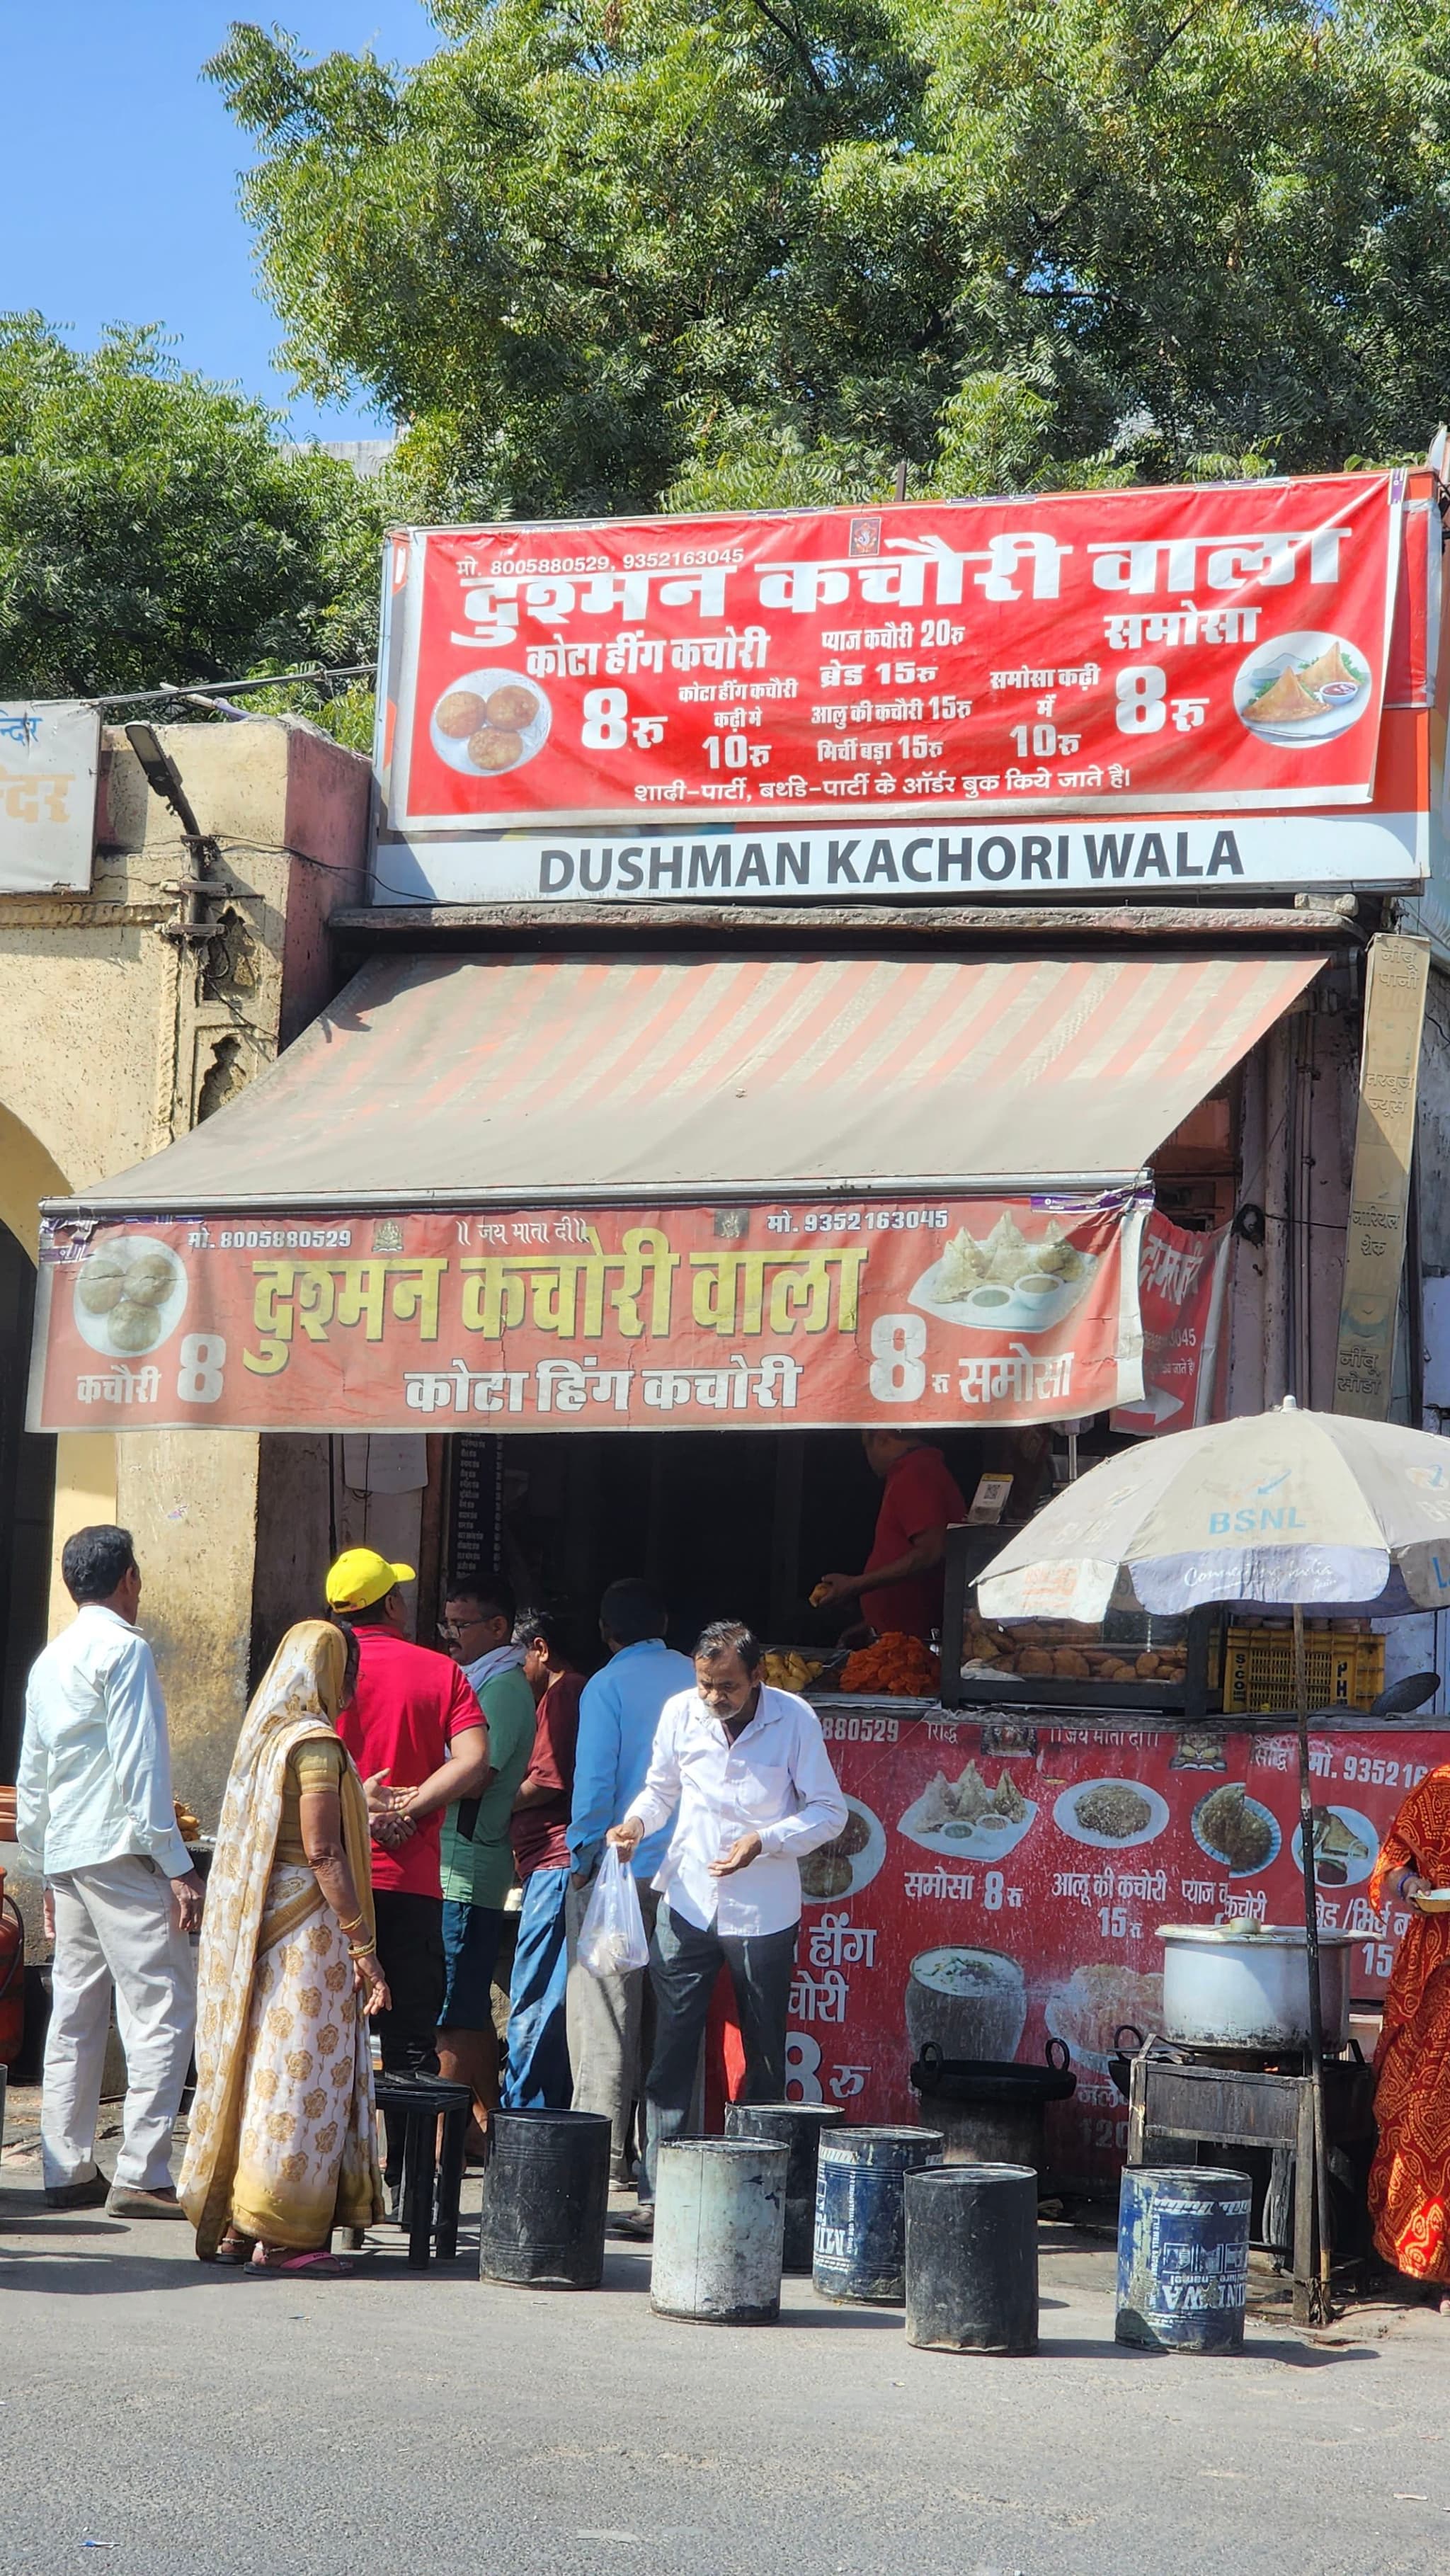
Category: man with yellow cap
[414,1717]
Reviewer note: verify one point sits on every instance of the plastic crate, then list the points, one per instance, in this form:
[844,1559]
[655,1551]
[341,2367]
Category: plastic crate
[1346,1669]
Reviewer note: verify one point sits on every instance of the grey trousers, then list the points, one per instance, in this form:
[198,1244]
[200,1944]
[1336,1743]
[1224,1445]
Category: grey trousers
[684,1962]
[113,1926]
[605,2019]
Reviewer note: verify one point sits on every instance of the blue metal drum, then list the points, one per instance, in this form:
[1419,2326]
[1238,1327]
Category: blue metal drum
[1183,2258]
[861,2210]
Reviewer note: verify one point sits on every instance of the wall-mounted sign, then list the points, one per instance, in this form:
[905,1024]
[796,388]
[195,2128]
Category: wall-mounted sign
[861,860]
[754,693]
[49,750]
[1182,1282]
[848,1312]
[1384,1142]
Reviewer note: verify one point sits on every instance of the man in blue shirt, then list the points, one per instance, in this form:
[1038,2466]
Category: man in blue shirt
[618,1714]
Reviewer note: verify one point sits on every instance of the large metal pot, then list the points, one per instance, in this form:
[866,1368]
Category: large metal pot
[1246,1985]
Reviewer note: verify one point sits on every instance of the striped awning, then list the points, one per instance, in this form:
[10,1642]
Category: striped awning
[452,1080]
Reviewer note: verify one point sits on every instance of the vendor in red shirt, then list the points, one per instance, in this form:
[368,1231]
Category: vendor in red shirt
[417,1734]
[538,2076]
[901,1589]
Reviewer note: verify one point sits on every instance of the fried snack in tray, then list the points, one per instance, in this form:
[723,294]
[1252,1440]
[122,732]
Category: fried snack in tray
[1065,1650]
[896,1667]
[788,1669]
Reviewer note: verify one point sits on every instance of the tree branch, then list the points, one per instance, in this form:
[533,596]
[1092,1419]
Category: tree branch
[797,44]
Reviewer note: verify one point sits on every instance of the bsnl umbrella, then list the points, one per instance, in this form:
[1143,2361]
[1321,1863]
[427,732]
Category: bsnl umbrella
[1279,1509]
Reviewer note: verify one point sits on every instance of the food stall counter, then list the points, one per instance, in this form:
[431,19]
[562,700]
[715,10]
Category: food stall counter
[1004,1871]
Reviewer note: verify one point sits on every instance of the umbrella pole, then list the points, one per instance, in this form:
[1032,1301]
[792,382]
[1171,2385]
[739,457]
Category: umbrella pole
[1321,2310]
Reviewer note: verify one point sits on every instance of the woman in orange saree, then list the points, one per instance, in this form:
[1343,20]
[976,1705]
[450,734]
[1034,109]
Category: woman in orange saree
[1409,2183]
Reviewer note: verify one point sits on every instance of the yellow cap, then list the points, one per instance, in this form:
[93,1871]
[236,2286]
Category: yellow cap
[361,1577]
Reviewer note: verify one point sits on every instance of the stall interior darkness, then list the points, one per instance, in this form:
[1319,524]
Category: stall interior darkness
[728,1524]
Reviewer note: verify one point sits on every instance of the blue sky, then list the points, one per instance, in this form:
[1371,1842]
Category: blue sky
[118,175]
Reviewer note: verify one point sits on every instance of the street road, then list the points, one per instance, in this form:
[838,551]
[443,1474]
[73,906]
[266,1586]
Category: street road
[165,2419]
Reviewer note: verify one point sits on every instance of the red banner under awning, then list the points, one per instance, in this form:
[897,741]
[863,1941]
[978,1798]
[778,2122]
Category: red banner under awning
[767,1316]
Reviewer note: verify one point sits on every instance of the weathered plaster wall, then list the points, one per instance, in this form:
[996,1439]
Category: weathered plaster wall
[113,1039]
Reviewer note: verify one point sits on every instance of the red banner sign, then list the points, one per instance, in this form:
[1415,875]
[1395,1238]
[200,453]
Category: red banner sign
[674,1318]
[1182,1278]
[1159,650]
[993,1901]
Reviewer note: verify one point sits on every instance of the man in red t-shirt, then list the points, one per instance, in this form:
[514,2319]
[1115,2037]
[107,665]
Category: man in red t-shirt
[538,2077]
[414,1718]
[901,1588]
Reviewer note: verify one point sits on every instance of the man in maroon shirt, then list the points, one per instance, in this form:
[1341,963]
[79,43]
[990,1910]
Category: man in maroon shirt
[414,1718]
[901,1587]
[538,2076]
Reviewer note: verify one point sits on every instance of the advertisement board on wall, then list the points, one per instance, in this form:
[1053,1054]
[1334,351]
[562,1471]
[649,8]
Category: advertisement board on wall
[1182,1283]
[801,702]
[48,759]
[847,1312]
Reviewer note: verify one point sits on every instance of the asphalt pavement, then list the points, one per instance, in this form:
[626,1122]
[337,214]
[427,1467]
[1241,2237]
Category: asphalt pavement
[162,2418]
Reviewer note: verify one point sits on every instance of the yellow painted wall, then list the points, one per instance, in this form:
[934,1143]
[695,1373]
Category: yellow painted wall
[112,1038]
[85,1464]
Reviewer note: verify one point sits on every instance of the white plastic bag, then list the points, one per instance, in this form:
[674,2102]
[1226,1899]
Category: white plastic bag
[613,1936]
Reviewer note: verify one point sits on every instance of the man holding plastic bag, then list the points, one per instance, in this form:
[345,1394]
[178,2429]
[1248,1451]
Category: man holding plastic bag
[747,1766]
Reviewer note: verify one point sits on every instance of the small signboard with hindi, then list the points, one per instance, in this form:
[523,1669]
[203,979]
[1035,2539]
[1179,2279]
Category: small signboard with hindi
[49,750]
[1384,1139]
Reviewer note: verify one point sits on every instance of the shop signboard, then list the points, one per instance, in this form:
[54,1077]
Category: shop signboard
[921,698]
[1384,1141]
[1182,1281]
[848,1311]
[49,752]
[1005,1886]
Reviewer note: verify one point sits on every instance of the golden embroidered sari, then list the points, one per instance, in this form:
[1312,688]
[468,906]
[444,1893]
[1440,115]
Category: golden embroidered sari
[282,2142]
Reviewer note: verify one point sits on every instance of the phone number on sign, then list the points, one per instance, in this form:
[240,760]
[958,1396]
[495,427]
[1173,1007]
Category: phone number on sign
[838,1728]
[875,1220]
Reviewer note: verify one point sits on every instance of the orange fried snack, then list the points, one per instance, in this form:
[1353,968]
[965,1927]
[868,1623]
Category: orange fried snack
[896,1667]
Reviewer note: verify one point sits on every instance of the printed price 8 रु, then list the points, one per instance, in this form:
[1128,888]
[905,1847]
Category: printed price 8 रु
[199,1376]
[1141,692]
[898,1345]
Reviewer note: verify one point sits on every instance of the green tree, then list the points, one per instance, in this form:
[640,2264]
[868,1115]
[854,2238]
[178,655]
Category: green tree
[618,254]
[152,528]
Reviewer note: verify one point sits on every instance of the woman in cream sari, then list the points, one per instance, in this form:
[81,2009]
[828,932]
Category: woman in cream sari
[282,2146]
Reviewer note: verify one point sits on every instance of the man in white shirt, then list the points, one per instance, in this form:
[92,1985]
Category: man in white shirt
[748,1768]
[96,1820]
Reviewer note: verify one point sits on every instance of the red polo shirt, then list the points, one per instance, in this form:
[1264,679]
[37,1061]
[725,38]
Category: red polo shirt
[408,1704]
[540,1833]
[921,1494]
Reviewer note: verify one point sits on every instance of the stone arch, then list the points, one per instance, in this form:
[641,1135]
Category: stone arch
[84,1462]
[28,1174]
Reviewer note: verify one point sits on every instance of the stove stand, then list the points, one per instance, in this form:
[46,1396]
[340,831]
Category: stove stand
[1182,2100]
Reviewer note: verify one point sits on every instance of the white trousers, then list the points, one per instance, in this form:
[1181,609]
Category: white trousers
[113,1926]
